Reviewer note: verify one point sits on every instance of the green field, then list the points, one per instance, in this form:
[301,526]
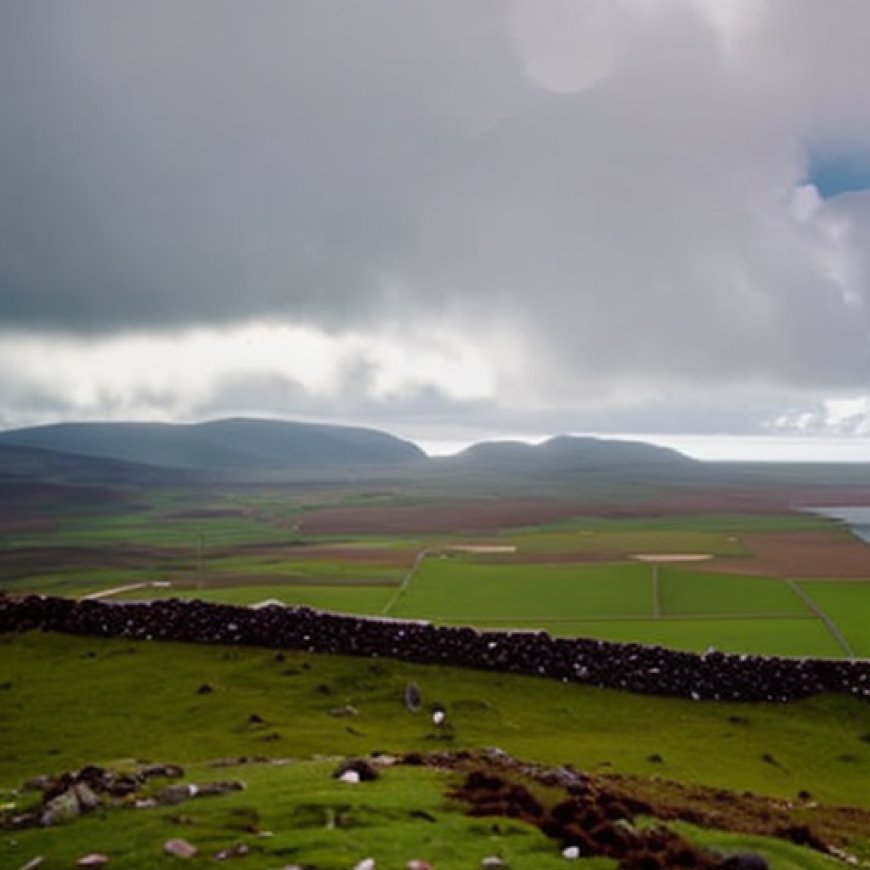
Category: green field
[847,603]
[142,702]
[574,577]
[445,588]
[345,599]
[693,593]
[780,637]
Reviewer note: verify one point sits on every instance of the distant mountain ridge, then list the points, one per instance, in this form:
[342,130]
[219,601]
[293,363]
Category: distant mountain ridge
[236,444]
[571,452]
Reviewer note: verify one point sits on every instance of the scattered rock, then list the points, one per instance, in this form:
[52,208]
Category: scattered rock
[492,862]
[365,771]
[365,864]
[417,864]
[571,853]
[170,771]
[63,808]
[95,859]
[350,776]
[182,791]
[239,850]
[344,712]
[413,698]
[85,795]
[175,794]
[744,861]
[209,789]
[179,848]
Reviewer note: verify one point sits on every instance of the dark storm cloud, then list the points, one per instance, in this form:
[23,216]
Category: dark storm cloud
[167,162]
[602,197]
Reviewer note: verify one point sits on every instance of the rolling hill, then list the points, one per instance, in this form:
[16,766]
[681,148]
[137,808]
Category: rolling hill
[220,445]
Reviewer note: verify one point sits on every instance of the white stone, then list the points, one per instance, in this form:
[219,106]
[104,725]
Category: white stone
[351,776]
[571,853]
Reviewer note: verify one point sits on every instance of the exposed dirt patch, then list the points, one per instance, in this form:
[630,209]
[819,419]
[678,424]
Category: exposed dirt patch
[799,554]
[672,557]
[600,813]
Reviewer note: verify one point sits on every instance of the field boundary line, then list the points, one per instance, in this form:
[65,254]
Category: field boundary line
[829,623]
[406,580]
[656,593]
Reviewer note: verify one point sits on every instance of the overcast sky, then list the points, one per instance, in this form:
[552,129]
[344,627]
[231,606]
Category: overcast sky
[445,218]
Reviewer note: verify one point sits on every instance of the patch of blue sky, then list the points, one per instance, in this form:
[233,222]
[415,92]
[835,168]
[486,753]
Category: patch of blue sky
[834,173]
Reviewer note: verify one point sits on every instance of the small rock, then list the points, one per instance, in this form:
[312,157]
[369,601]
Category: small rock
[344,712]
[86,796]
[170,771]
[95,859]
[571,853]
[350,776]
[413,699]
[239,850]
[179,848]
[175,794]
[492,862]
[416,864]
[224,786]
[365,864]
[365,770]
[63,808]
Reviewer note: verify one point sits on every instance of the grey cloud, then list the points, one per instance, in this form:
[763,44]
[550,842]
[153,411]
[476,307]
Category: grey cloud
[345,163]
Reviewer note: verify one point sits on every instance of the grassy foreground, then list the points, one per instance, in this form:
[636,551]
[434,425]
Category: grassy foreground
[70,701]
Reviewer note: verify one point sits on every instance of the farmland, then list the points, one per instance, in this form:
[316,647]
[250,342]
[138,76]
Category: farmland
[785,583]
[778,583]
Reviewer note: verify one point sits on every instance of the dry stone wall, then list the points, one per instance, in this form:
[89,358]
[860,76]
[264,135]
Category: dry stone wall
[637,668]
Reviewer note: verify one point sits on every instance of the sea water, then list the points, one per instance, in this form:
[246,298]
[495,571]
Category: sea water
[857,518]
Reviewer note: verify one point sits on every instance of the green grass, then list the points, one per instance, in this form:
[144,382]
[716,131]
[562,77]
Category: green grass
[319,568]
[75,700]
[687,593]
[625,542]
[345,599]
[847,603]
[294,802]
[445,588]
[68,701]
[784,637]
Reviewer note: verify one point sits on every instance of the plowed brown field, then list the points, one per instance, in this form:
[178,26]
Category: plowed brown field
[823,555]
